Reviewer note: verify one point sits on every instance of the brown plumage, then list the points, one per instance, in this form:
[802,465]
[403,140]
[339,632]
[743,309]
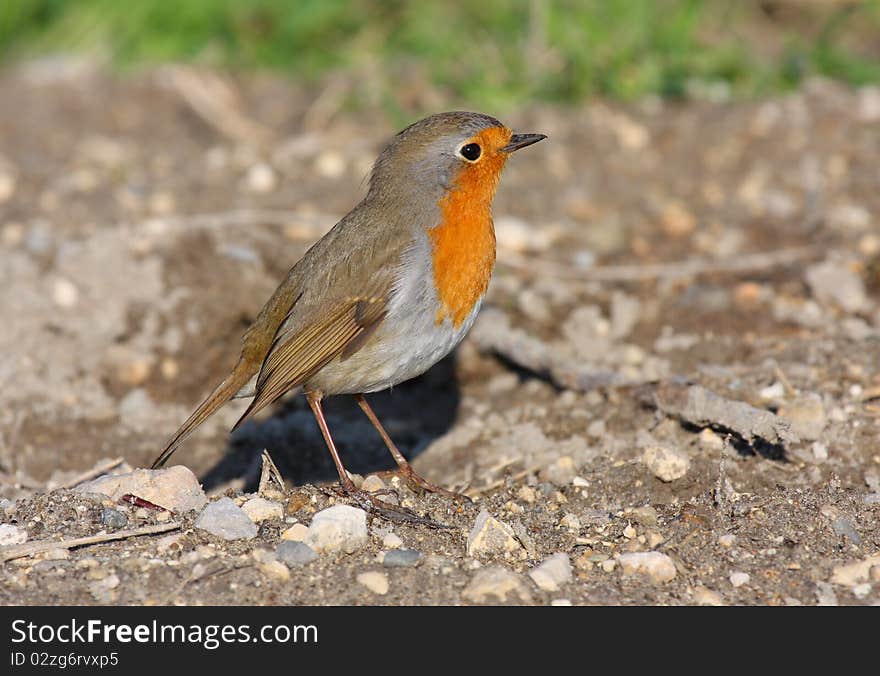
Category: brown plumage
[389,291]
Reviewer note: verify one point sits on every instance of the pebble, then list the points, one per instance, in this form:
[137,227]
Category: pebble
[64,293]
[527,494]
[833,282]
[654,565]
[275,569]
[260,509]
[495,583]
[401,558]
[372,484]
[553,572]
[707,597]
[7,185]
[169,543]
[843,527]
[113,518]
[560,602]
[391,541]
[571,522]
[330,164]
[12,535]
[738,579]
[338,528]
[297,532]
[726,540]
[807,416]
[176,488]
[666,464]
[561,472]
[374,580]
[226,520]
[490,537]
[851,574]
[295,553]
[261,178]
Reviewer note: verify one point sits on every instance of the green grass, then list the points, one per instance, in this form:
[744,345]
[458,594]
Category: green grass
[494,53]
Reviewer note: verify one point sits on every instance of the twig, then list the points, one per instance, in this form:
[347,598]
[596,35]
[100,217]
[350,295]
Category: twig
[493,333]
[95,471]
[268,474]
[216,102]
[702,407]
[30,548]
[678,270]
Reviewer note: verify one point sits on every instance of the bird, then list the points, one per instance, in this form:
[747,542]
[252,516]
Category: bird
[386,293]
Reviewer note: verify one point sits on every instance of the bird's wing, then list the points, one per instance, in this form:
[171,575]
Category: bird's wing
[300,351]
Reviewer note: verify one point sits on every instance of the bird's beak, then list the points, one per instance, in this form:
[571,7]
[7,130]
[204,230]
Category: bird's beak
[518,141]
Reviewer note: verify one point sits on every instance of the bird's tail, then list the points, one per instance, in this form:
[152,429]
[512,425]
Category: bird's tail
[239,377]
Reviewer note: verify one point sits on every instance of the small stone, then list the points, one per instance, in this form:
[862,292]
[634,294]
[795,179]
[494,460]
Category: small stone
[676,220]
[104,589]
[490,537]
[526,494]
[835,283]
[553,572]
[296,533]
[338,528]
[56,554]
[401,558]
[260,509]
[11,535]
[707,597]
[330,164]
[169,543]
[644,515]
[374,580]
[596,429]
[391,541]
[608,565]
[571,522]
[495,583]
[560,602]
[113,518]
[373,484]
[843,527]
[561,472]
[738,579]
[226,520]
[727,540]
[710,441]
[665,463]
[261,178]
[807,416]
[654,565]
[7,185]
[860,591]
[275,569]
[174,488]
[64,293]
[851,574]
[295,553]
[629,532]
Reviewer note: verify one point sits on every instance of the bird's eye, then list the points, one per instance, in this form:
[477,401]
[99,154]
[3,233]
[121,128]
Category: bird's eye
[471,152]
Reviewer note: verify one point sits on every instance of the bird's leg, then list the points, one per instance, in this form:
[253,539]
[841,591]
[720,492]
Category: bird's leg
[409,474]
[365,501]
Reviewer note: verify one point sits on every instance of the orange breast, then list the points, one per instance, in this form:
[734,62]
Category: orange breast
[463,245]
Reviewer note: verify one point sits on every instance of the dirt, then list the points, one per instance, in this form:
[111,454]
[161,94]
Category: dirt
[140,233]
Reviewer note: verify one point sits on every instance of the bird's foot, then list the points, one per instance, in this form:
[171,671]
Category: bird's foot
[397,513]
[419,483]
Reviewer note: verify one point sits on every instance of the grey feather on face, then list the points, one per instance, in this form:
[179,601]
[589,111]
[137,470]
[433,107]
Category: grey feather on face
[420,162]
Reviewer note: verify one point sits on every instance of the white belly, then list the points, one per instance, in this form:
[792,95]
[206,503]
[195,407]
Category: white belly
[407,343]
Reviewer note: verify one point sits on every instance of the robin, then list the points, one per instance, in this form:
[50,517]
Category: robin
[388,292]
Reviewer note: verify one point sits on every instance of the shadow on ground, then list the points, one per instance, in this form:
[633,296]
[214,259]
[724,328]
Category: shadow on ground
[414,413]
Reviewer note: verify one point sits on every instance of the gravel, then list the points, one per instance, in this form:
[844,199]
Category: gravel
[401,558]
[295,553]
[226,520]
[340,528]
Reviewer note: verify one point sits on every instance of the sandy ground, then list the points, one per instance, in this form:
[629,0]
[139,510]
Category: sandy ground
[643,251]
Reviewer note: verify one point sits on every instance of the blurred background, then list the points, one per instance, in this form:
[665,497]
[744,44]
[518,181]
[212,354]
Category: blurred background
[704,210]
[491,54]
